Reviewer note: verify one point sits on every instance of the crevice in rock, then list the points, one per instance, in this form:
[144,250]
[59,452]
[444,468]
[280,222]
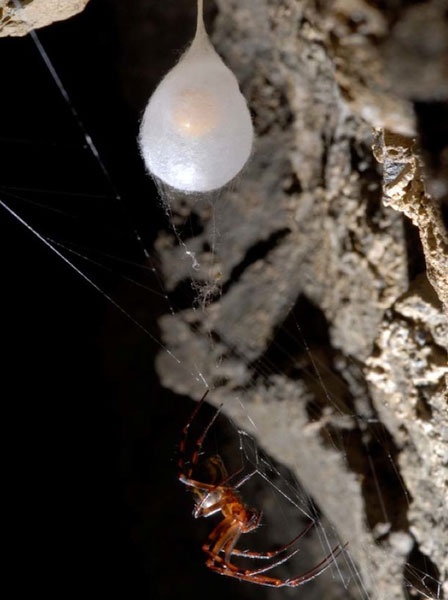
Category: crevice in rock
[444,211]
[190,228]
[258,251]
[261,108]
[184,295]
[293,185]
[371,453]
[423,409]
[432,122]
[421,574]
[307,354]
[368,447]
[414,250]
[363,162]
[287,352]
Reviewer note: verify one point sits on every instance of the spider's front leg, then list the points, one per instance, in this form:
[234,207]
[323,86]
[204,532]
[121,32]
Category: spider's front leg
[224,537]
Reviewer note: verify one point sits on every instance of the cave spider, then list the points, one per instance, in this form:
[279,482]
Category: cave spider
[222,496]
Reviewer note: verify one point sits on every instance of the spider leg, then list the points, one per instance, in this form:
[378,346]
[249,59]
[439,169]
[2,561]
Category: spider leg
[217,532]
[312,573]
[260,579]
[318,569]
[226,480]
[229,550]
[203,487]
[226,542]
[186,477]
[200,440]
[278,562]
[183,441]
[245,478]
[226,534]
[272,553]
[257,577]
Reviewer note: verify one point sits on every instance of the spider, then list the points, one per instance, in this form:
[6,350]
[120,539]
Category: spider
[237,518]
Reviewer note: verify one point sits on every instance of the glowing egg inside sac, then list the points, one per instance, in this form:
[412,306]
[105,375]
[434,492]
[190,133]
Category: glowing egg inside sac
[196,134]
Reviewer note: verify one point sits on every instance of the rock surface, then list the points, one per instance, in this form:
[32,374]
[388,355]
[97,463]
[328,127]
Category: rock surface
[409,375]
[404,190]
[301,289]
[18,19]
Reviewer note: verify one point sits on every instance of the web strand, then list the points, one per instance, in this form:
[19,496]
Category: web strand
[40,237]
[87,138]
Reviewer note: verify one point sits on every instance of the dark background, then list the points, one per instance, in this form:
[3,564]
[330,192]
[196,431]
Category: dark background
[91,437]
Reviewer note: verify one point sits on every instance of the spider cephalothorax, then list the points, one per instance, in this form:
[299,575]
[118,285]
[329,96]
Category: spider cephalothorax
[220,495]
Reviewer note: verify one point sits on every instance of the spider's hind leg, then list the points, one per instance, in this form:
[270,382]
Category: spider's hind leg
[273,553]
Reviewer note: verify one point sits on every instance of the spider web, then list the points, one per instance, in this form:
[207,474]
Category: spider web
[284,499]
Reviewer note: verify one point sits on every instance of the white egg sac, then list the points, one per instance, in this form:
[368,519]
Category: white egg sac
[196,133]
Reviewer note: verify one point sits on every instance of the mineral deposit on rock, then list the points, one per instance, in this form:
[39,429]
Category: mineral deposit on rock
[18,18]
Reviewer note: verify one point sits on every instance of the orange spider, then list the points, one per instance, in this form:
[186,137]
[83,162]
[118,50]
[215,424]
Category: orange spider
[237,518]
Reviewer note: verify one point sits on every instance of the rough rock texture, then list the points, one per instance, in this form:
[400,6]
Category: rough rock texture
[299,292]
[409,375]
[33,14]
[392,68]
[404,190]
[351,26]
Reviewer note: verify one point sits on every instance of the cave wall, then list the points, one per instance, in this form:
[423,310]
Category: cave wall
[316,222]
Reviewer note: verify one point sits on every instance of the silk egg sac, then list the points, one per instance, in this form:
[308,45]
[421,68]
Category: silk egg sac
[196,134]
